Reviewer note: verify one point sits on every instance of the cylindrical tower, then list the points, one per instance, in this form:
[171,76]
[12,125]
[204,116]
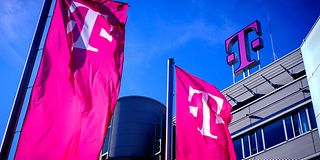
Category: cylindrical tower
[137,129]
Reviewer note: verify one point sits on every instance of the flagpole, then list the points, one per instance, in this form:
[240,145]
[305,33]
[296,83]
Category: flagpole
[24,81]
[170,73]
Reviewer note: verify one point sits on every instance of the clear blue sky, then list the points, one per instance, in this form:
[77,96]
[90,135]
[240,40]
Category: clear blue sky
[191,31]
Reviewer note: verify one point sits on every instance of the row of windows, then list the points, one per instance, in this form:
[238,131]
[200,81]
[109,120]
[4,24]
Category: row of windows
[290,126]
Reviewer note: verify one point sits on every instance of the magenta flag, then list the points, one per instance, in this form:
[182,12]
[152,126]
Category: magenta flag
[77,84]
[202,119]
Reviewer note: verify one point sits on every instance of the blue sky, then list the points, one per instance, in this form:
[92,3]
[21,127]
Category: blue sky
[191,31]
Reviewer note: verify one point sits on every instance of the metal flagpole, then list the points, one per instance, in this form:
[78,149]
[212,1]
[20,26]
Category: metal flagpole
[24,81]
[170,72]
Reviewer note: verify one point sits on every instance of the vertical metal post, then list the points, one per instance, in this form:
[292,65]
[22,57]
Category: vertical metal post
[258,56]
[233,76]
[24,81]
[170,73]
[272,47]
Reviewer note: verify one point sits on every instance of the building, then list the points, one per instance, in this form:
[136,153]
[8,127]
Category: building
[136,131]
[273,117]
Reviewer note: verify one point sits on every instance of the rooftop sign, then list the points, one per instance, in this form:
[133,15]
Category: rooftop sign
[242,38]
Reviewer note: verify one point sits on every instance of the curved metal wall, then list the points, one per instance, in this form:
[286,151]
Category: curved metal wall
[133,127]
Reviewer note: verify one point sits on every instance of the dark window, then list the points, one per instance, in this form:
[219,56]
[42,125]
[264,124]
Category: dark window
[296,124]
[246,146]
[289,128]
[106,141]
[253,143]
[312,117]
[304,120]
[259,140]
[238,148]
[274,133]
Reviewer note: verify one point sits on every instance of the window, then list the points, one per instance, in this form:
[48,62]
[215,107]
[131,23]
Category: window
[304,120]
[289,129]
[259,140]
[312,117]
[296,124]
[238,148]
[253,143]
[246,146]
[105,147]
[274,133]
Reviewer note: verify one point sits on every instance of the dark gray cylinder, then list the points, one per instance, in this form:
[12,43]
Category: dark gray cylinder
[134,128]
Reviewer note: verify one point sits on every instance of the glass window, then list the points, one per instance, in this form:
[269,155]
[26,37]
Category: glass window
[246,146]
[106,141]
[304,120]
[312,117]
[296,124]
[289,128]
[253,143]
[259,140]
[238,148]
[274,133]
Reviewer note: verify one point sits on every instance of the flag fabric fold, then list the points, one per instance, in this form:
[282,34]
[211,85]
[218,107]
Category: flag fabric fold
[77,84]
[202,119]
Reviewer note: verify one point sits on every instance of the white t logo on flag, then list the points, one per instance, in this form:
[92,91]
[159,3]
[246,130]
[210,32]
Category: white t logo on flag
[205,130]
[89,21]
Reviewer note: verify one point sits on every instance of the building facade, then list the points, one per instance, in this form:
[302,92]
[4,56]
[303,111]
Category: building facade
[136,130]
[273,117]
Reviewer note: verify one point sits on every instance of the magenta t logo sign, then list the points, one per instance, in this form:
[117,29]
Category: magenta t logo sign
[244,53]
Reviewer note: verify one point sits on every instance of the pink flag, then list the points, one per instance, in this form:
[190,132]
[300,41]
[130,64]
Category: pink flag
[202,119]
[77,84]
